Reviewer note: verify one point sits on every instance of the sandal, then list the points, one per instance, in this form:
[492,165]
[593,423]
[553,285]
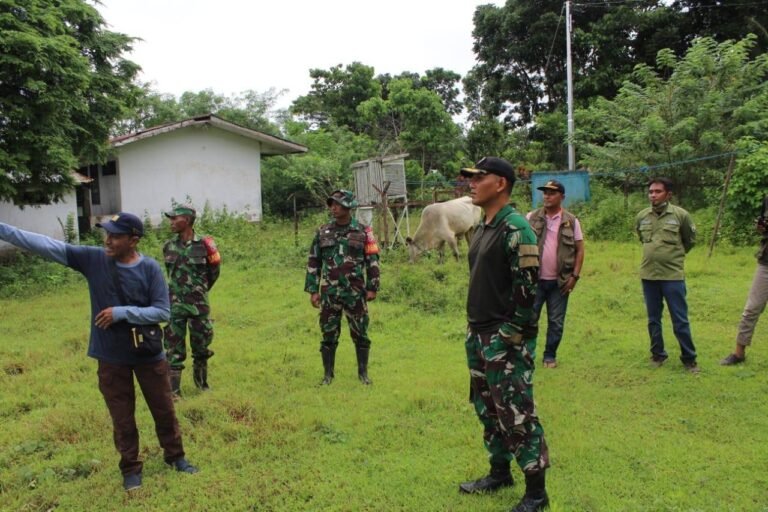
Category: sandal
[732,359]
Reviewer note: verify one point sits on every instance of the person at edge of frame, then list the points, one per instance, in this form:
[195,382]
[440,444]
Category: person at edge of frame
[193,264]
[343,254]
[757,298]
[501,336]
[144,287]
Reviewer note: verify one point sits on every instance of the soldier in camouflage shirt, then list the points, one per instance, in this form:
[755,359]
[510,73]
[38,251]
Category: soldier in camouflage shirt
[193,264]
[501,336]
[342,255]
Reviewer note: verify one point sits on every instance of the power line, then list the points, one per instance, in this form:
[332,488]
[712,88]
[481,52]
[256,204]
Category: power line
[552,47]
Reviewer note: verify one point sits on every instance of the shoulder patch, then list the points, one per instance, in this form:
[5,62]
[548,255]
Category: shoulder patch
[529,255]
[214,258]
[371,246]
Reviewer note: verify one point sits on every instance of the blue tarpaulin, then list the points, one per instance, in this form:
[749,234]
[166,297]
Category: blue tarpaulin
[576,185]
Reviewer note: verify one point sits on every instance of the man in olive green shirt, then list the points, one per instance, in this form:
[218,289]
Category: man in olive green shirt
[667,233]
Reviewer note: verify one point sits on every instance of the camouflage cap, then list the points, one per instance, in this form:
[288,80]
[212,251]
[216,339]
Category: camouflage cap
[182,209]
[344,197]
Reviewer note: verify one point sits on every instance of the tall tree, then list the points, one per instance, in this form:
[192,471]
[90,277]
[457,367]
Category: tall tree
[520,49]
[722,20]
[250,109]
[335,94]
[445,84]
[686,108]
[415,120]
[63,83]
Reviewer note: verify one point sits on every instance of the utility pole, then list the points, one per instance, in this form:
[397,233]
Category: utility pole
[569,81]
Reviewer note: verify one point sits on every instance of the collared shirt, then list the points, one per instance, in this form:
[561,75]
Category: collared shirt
[503,272]
[666,238]
[548,258]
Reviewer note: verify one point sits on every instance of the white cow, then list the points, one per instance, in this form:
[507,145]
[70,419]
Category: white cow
[442,223]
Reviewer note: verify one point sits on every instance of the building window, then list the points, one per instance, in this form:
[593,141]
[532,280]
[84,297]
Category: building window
[110,169]
[93,172]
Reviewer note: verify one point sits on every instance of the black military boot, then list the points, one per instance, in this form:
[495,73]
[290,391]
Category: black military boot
[362,364]
[535,497]
[175,376]
[200,375]
[328,354]
[499,477]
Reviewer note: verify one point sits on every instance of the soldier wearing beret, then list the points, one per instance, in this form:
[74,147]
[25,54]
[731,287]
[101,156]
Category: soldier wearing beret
[342,277]
[501,336]
[193,264]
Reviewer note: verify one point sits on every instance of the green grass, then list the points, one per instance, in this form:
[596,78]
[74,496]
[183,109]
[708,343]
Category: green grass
[622,436]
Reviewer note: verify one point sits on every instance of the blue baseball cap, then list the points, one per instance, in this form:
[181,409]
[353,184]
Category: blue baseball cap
[123,224]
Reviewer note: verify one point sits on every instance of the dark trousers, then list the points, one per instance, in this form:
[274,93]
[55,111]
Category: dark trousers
[547,291]
[116,385]
[673,292]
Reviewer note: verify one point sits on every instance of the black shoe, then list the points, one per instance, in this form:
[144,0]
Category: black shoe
[488,483]
[657,361]
[528,504]
[132,482]
[692,367]
[182,465]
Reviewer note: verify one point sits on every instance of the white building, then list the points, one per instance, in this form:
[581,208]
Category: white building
[206,159]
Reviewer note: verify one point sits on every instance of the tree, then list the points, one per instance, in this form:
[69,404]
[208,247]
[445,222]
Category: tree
[63,83]
[335,95]
[415,120]
[445,84]
[722,20]
[520,49]
[250,109]
[687,108]
[311,177]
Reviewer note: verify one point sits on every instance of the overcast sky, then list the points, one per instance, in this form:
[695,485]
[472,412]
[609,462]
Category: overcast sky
[234,45]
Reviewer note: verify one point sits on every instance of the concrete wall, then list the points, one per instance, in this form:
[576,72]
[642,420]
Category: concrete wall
[39,219]
[203,163]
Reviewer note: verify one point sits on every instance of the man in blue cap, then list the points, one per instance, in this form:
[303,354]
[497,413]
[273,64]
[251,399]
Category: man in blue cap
[142,283]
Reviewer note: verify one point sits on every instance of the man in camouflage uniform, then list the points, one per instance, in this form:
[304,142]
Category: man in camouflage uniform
[193,264]
[501,337]
[341,251]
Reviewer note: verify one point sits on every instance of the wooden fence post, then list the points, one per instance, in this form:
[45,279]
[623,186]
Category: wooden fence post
[722,205]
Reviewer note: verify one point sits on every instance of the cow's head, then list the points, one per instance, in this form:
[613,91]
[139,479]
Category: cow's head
[414,251]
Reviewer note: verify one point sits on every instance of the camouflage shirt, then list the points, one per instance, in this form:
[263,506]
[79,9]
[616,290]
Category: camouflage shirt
[193,268]
[337,258]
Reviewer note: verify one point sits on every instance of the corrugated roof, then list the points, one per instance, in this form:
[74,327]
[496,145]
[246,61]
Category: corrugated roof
[271,145]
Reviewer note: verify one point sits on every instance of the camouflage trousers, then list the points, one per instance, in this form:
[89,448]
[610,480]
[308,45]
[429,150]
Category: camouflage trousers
[355,308]
[502,393]
[200,338]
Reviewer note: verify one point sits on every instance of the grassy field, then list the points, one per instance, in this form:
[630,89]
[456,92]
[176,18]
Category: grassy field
[623,436]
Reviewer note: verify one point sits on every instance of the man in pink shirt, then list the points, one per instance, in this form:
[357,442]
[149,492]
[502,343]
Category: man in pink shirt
[561,250]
